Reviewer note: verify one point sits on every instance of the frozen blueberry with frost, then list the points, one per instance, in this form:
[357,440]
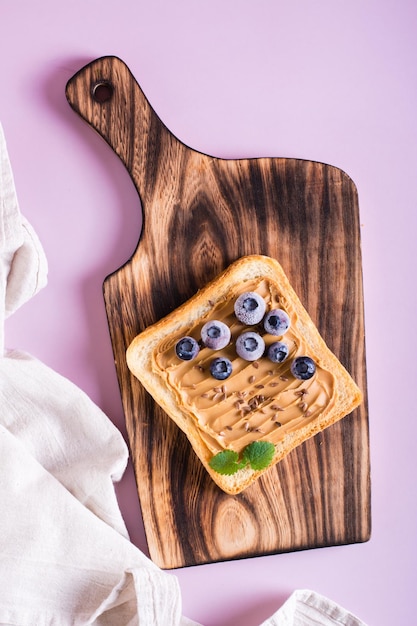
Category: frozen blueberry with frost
[215,335]
[221,368]
[250,308]
[303,367]
[277,322]
[250,346]
[187,348]
[278,352]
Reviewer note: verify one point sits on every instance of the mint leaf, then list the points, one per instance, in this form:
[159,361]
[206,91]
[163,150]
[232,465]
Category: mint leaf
[225,462]
[259,454]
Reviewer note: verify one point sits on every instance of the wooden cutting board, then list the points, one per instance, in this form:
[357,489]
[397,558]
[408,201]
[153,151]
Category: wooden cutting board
[200,213]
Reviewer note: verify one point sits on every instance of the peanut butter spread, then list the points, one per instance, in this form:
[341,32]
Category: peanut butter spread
[260,399]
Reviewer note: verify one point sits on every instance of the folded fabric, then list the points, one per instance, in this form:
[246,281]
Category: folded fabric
[308,608]
[23,265]
[66,559]
[61,564]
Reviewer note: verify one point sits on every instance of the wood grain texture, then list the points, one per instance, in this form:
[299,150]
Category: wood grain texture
[200,213]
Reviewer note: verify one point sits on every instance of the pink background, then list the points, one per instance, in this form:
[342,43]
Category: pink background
[324,80]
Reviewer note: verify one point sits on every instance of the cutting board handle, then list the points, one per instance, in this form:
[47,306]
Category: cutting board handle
[106,95]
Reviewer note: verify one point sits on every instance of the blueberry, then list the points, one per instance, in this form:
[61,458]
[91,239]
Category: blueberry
[250,346]
[187,349]
[278,352]
[303,367]
[277,322]
[250,308]
[215,335]
[221,368]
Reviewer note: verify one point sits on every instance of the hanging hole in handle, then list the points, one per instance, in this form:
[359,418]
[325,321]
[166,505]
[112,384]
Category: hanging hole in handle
[102,91]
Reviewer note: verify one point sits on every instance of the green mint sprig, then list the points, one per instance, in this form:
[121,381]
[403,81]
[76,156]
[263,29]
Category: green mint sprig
[257,454]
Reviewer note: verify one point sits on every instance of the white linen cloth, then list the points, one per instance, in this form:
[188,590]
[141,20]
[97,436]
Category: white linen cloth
[65,555]
[309,608]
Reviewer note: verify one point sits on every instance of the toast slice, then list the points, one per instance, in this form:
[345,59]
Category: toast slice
[243,424]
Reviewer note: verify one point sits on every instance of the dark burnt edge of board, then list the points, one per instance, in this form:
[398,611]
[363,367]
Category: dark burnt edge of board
[188,481]
[256,554]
